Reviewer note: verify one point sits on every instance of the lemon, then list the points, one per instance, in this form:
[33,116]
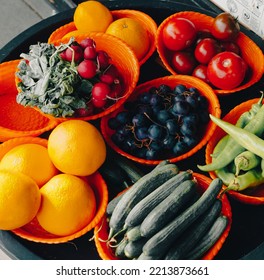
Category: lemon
[76,147]
[92,16]
[68,205]
[32,160]
[19,199]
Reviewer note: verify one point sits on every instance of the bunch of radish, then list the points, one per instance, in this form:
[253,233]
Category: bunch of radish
[96,67]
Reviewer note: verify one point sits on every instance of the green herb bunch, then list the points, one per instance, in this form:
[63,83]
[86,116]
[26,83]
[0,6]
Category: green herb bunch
[50,83]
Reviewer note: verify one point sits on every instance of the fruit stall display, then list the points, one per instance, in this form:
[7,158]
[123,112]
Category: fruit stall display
[136,116]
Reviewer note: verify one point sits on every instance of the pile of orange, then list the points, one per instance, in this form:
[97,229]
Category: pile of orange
[93,16]
[48,182]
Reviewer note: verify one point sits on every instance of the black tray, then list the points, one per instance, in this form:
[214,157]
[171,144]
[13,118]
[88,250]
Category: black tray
[247,229]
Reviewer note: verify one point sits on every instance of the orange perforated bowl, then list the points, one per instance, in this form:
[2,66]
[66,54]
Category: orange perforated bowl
[15,119]
[102,229]
[250,52]
[149,24]
[250,195]
[172,81]
[33,231]
[122,57]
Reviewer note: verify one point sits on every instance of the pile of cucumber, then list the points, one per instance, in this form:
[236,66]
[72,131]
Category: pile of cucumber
[164,216]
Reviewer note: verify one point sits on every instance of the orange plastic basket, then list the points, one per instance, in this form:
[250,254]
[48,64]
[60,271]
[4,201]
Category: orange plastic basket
[172,81]
[33,231]
[149,24]
[248,196]
[101,230]
[250,52]
[12,124]
[122,57]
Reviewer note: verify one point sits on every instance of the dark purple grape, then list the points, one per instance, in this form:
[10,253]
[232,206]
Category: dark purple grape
[144,108]
[140,152]
[151,154]
[192,101]
[162,116]
[156,145]
[117,138]
[123,117]
[140,120]
[188,129]
[203,102]
[164,89]
[190,141]
[113,123]
[145,97]
[192,118]
[129,144]
[172,126]
[179,148]
[155,132]
[179,97]
[123,131]
[179,89]
[141,133]
[169,142]
[155,100]
[195,92]
[181,108]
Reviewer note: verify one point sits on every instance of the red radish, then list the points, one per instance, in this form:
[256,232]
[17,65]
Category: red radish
[107,78]
[110,75]
[98,103]
[84,112]
[103,59]
[90,53]
[63,55]
[88,42]
[116,91]
[74,52]
[87,69]
[100,91]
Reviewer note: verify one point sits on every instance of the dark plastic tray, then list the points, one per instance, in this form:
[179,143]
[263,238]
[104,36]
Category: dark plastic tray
[247,229]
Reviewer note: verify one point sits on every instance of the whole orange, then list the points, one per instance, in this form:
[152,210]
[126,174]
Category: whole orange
[32,160]
[92,16]
[19,199]
[131,32]
[76,147]
[68,205]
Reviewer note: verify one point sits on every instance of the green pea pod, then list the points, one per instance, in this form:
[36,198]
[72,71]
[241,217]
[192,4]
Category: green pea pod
[244,138]
[251,178]
[232,148]
[246,161]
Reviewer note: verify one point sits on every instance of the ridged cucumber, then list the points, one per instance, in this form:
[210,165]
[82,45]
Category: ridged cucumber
[209,238]
[160,243]
[138,191]
[112,204]
[120,249]
[194,233]
[143,207]
[167,209]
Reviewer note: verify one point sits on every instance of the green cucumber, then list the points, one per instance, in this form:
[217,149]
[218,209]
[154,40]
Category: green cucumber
[112,204]
[160,243]
[209,238]
[120,249]
[133,233]
[137,192]
[194,233]
[167,209]
[133,249]
[143,207]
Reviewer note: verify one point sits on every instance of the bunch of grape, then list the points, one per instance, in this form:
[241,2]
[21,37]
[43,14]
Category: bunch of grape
[161,123]
[94,66]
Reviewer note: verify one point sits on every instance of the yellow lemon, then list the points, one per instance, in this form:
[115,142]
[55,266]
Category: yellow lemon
[76,147]
[19,199]
[92,16]
[68,205]
[131,32]
[32,160]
